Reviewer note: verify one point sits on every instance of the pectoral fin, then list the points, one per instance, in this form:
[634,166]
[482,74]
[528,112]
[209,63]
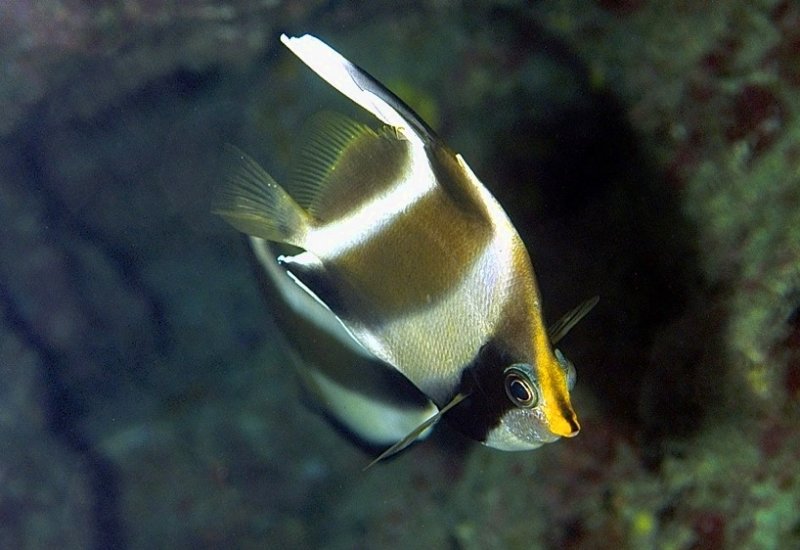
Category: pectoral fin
[411,437]
[560,328]
[252,202]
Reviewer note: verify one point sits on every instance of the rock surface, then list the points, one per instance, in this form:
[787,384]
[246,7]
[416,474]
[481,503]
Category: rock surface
[647,152]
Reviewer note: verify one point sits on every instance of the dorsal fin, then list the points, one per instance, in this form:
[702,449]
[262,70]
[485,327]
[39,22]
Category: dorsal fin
[357,85]
[342,163]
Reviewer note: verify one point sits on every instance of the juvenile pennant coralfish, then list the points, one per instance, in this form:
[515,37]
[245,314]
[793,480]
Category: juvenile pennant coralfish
[411,267]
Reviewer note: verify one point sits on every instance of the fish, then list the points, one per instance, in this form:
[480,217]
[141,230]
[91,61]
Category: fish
[362,396]
[403,268]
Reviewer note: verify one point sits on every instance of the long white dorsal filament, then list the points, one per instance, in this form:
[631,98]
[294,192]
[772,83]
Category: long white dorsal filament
[338,72]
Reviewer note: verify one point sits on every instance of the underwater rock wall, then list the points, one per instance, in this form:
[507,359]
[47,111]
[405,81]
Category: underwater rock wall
[76,58]
[647,151]
[714,92]
[46,493]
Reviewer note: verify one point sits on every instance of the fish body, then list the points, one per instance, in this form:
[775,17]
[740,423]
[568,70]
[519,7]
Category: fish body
[414,259]
[367,398]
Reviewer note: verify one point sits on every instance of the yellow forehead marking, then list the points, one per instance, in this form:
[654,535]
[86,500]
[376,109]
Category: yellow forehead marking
[552,379]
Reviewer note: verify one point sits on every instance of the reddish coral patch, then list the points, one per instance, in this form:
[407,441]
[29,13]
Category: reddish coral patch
[719,61]
[780,11]
[772,439]
[786,54]
[757,115]
[709,528]
[792,380]
[701,91]
[682,162]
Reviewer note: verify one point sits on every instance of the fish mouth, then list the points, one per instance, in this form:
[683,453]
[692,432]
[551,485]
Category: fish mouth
[553,424]
[549,438]
[566,426]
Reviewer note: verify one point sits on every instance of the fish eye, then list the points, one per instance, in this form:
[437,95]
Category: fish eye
[519,388]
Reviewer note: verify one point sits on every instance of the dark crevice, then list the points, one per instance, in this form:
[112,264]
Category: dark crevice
[586,195]
[63,413]
[123,262]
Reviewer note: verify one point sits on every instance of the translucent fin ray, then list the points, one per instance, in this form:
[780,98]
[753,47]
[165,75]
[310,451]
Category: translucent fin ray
[252,202]
[343,162]
[560,328]
[411,437]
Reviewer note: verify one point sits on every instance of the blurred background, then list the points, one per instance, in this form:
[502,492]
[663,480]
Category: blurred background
[648,151]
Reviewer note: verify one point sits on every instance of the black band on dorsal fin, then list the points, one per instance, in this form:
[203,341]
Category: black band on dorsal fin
[343,163]
[367,82]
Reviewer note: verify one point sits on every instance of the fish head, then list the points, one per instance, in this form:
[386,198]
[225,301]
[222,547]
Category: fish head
[535,405]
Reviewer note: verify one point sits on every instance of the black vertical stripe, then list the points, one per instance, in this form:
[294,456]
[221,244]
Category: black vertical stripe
[482,379]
